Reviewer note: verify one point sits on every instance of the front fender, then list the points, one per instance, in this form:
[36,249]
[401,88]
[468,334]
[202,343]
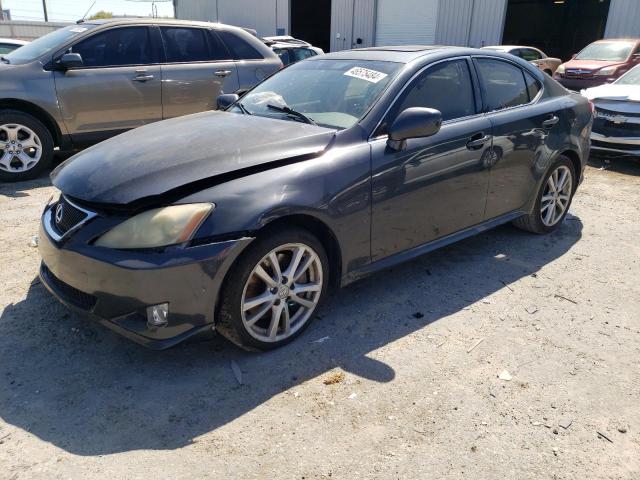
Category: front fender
[334,189]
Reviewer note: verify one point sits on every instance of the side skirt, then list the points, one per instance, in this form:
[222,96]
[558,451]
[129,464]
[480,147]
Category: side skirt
[406,255]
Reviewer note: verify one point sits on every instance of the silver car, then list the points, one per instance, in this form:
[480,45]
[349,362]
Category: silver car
[532,55]
[90,81]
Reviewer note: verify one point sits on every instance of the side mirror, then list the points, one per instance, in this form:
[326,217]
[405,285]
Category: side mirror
[414,122]
[70,60]
[226,100]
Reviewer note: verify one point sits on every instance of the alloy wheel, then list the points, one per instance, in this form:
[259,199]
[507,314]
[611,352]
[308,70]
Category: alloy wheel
[556,196]
[282,292]
[20,148]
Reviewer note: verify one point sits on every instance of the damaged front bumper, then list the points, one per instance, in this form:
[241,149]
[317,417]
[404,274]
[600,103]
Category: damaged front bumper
[116,287]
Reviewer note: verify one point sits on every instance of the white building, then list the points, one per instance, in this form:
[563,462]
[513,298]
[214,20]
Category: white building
[560,27]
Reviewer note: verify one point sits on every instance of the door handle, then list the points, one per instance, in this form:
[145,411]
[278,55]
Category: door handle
[550,122]
[142,78]
[477,141]
[222,73]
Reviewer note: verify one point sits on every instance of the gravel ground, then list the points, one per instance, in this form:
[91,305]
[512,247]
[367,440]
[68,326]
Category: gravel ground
[396,389]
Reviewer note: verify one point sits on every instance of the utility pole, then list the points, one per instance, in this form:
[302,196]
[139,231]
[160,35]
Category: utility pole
[44,8]
[1,11]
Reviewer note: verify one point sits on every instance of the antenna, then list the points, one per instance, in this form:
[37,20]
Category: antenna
[87,12]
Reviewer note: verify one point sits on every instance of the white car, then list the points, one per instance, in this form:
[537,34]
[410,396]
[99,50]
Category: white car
[291,50]
[8,45]
[616,122]
[530,54]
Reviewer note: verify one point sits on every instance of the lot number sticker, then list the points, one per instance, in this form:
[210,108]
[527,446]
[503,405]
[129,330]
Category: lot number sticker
[365,74]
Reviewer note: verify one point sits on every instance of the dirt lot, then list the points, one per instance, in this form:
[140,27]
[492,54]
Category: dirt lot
[395,391]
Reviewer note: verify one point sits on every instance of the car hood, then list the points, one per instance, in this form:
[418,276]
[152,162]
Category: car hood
[613,91]
[162,157]
[590,64]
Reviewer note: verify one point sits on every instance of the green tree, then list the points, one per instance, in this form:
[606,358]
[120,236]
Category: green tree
[101,14]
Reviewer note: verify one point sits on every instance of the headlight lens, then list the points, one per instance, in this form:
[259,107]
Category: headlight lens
[560,70]
[607,71]
[158,227]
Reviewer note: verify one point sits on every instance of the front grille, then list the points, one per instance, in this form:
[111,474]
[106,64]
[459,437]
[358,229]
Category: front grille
[65,216]
[613,113]
[68,293]
[577,73]
[617,146]
[612,129]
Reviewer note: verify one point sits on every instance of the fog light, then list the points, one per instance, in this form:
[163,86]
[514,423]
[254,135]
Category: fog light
[158,315]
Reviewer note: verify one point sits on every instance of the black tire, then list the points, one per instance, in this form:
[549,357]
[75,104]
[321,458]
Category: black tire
[229,322]
[15,117]
[532,222]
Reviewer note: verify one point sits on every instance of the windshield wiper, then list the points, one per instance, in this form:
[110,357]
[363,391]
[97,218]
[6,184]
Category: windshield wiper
[289,111]
[5,59]
[243,108]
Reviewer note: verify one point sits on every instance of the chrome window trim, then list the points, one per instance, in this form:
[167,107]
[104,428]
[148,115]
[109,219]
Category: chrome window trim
[47,220]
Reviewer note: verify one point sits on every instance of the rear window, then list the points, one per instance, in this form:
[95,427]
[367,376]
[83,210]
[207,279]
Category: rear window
[185,44]
[533,86]
[240,48]
[503,83]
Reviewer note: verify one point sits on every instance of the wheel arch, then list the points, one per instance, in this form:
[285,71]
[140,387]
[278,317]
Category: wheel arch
[36,111]
[577,164]
[321,231]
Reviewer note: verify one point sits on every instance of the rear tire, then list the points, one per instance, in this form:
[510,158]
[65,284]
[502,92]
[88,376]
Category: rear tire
[551,206]
[26,146]
[265,305]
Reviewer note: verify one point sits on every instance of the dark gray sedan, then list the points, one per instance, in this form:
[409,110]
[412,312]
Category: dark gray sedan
[333,168]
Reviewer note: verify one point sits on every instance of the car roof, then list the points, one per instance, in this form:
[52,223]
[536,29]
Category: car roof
[508,47]
[398,53]
[155,21]
[13,41]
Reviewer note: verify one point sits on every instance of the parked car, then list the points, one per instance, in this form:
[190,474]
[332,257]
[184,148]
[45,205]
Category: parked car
[530,54]
[616,124]
[329,170]
[8,45]
[291,50]
[87,82]
[598,63]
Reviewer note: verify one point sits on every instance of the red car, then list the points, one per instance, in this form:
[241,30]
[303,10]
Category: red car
[598,63]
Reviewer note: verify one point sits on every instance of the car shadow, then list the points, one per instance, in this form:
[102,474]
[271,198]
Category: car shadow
[90,392]
[21,189]
[624,165]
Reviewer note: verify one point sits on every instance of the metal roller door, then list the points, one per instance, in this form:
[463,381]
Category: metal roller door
[406,22]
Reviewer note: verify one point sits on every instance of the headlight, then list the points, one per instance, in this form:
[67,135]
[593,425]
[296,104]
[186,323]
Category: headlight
[158,227]
[560,70]
[607,71]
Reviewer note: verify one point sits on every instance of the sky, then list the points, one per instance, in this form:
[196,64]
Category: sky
[72,10]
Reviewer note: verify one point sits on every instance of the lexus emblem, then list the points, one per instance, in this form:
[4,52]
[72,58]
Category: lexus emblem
[59,213]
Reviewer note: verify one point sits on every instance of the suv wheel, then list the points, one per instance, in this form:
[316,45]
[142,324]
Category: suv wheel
[553,199]
[26,146]
[271,294]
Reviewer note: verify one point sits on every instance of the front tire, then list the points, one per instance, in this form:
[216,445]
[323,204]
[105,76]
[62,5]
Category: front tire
[553,199]
[272,292]
[26,146]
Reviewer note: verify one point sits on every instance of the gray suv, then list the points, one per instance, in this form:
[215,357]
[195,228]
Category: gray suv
[84,83]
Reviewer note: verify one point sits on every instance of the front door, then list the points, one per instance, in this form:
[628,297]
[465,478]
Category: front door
[196,70]
[118,87]
[437,185]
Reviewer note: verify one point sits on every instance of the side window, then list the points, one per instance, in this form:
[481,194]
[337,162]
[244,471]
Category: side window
[283,53]
[183,44]
[516,52]
[533,86]
[6,48]
[116,47]
[240,48]
[302,53]
[530,55]
[503,84]
[446,87]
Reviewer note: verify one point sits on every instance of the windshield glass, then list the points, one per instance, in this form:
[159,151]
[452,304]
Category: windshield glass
[42,45]
[616,51]
[331,93]
[632,77]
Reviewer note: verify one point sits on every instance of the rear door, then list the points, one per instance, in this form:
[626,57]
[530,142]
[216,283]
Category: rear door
[196,69]
[118,87]
[521,126]
[437,185]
